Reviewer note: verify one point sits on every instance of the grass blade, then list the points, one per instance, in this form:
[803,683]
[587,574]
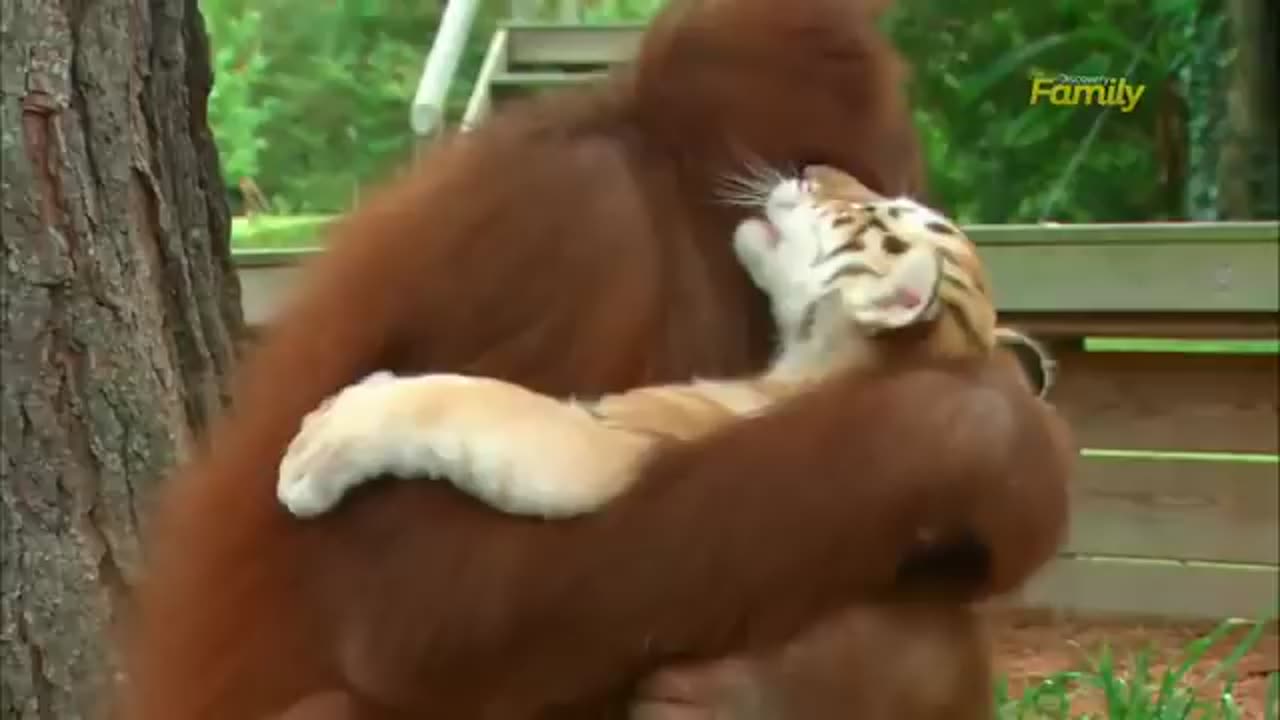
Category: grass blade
[1242,648]
[1272,708]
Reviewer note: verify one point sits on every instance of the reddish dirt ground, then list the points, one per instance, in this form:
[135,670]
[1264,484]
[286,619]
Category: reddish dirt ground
[1030,646]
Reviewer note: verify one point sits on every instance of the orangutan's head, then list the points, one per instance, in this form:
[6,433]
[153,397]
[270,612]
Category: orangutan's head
[788,82]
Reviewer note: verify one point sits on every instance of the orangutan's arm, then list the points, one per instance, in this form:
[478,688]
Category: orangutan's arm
[829,501]
[732,543]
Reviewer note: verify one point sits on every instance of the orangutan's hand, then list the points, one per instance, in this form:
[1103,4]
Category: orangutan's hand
[723,690]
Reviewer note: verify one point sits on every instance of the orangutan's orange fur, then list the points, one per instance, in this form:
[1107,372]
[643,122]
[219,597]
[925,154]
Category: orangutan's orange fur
[569,245]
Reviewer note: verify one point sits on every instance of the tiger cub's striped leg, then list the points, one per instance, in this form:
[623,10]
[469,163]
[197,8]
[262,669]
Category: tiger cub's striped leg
[514,449]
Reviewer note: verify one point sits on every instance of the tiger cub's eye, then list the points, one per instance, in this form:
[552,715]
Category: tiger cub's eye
[941,228]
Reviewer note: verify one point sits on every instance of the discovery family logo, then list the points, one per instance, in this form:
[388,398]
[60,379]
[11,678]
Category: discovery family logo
[1086,90]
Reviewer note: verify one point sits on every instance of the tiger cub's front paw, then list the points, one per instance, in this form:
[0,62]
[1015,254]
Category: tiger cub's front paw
[343,443]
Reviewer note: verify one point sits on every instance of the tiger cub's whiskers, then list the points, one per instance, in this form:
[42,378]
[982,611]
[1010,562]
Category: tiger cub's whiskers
[751,187]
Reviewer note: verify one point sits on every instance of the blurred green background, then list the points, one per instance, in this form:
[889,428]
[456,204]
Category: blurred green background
[311,102]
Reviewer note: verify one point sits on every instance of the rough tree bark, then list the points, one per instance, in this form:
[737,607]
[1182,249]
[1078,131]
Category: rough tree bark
[1249,161]
[120,310]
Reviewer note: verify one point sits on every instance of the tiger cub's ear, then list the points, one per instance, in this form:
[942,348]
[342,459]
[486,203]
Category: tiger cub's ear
[833,184]
[1037,364]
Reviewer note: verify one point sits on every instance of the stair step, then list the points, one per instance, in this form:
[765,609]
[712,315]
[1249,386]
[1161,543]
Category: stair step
[569,46]
[508,85]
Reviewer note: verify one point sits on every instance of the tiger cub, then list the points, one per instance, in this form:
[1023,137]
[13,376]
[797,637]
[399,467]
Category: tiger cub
[839,265]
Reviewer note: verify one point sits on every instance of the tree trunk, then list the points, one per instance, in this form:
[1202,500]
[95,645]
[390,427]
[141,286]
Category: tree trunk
[120,314]
[1248,162]
[1203,82]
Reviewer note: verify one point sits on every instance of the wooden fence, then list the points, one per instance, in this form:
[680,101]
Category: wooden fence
[1177,499]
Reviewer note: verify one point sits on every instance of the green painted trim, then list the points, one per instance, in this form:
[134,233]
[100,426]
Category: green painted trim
[1181,456]
[1249,232]
[1170,345]
[1176,563]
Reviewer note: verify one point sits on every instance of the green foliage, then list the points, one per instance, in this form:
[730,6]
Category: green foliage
[593,11]
[238,118]
[275,232]
[311,99]
[995,158]
[1203,76]
[1139,694]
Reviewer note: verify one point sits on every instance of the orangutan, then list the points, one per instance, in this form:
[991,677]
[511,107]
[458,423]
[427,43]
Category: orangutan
[571,244]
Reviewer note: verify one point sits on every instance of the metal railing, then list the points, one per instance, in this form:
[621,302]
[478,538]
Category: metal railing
[481,99]
[426,114]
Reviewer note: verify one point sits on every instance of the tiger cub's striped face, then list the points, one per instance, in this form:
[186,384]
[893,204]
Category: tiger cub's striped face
[835,258]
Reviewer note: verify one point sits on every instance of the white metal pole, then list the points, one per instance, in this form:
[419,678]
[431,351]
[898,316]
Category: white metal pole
[426,115]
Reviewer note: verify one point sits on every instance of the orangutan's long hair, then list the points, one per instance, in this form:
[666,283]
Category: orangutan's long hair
[572,244]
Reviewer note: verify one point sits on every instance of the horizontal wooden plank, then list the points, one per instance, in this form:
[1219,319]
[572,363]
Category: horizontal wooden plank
[1186,288]
[551,44]
[1152,324]
[1170,401]
[263,287]
[1180,509]
[1248,232]
[1122,277]
[1220,234]
[1126,586]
